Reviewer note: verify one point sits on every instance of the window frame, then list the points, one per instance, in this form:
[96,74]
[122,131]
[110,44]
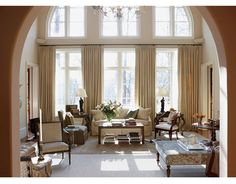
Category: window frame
[119,68]
[67,69]
[170,69]
[172,24]
[67,25]
[119,29]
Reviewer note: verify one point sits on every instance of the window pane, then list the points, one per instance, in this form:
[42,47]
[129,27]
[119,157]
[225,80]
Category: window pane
[128,59]
[180,14]
[129,28]
[75,59]
[182,29]
[76,29]
[162,14]
[110,59]
[75,82]
[163,59]
[163,29]
[76,14]
[57,26]
[60,59]
[110,29]
[128,88]
[163,79]
[110,85]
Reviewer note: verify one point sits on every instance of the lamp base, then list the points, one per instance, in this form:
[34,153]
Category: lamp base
[41,158]
[162,105]
[81,102]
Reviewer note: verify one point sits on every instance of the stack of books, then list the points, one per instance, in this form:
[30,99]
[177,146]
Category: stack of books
[130,122]
[109,139]
[123,139]
[134,137]
[117,124]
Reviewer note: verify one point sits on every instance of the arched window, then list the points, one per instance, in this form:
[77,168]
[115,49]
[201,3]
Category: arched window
[67,21]
[126,25]
[173,22]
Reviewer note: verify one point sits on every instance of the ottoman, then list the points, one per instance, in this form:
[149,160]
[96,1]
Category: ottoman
[41,168]
[81,135]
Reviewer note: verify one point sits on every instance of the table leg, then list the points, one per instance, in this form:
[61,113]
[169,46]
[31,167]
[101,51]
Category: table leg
[158,158]
[168,171]
[213,135]
[142,135]
[99,135]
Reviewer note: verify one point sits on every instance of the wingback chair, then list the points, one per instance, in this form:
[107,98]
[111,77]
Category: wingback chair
[170,121]
[52,140]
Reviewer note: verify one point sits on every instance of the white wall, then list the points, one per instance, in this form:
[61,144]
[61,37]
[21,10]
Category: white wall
[29,57]
[210,57]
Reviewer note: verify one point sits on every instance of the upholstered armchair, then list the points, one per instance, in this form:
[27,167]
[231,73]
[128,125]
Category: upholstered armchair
[170,121]
[52,141]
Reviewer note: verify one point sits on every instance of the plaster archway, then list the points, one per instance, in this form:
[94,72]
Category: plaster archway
[14,86]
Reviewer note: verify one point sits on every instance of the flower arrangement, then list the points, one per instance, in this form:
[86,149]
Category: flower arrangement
[109,108]
[199,117]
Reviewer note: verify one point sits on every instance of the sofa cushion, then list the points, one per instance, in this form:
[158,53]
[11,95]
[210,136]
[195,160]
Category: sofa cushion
[97,115]
[121,113]
[143,121]
[132,114]
[144,113]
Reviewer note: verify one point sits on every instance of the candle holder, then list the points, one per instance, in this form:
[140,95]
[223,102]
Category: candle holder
[41,158]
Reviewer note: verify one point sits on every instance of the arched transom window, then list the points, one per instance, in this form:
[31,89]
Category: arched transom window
[66,21]
[173,22]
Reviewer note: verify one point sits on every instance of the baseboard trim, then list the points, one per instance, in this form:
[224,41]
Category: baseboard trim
[23,133]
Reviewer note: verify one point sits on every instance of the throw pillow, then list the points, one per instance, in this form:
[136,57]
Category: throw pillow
[69,119]
[97,115]
[144,113]
[121,113]
[132,114]
[172,116]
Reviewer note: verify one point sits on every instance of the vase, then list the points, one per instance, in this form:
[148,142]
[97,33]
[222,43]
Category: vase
[109,117]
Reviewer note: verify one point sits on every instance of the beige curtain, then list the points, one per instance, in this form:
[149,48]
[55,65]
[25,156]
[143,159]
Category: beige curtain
[145,78]
[46,57]
[92,76]
[189,61]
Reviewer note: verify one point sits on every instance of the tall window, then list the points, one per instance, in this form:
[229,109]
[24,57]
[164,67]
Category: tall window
[166,78]
[172,22]
[125,26]
[119,76]
[67,22]
[68,78]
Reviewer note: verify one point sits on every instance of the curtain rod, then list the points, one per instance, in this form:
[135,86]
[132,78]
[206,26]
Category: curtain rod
[192,44]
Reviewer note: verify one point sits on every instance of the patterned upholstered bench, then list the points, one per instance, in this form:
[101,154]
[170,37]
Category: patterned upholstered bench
[173,154]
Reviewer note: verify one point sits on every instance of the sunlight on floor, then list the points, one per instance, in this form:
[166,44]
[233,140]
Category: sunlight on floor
[146,164]
[114,165]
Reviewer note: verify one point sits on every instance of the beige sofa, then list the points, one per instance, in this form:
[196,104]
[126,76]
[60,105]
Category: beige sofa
[143,116]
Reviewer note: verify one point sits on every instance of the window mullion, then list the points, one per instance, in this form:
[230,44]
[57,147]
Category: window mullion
[67,23]
[120,82]
[67,78]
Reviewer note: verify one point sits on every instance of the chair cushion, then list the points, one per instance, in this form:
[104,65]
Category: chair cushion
[97,114]
[54,147]
[166,126]
[172,116]
[121,113]
[132,114]
[143,113]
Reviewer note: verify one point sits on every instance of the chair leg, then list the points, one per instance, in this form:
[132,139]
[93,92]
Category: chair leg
[69,158]
[159,133]
[170,135]
[62,155]
[155,133]
[177,134]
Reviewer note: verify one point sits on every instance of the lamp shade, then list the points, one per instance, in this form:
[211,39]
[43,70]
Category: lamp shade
[163,92]
[81,92]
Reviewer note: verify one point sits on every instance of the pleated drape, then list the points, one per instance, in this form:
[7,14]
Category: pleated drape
[46,81]
[92,76]
[145,78]
[189,62]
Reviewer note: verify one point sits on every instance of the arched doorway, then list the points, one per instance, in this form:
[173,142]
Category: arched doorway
[23,23]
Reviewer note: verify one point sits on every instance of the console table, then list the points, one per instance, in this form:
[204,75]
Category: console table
[173,154]
[108,125]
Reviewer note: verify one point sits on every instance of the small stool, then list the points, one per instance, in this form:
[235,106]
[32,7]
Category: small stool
[41,168]
[81,135]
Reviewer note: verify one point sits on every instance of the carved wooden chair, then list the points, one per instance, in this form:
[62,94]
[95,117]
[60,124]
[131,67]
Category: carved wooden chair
[169,121]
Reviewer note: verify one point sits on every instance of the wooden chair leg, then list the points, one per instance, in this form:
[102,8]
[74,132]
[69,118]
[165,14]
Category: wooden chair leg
[177,135]
[155,133]
[62,155]
[170,135]
[69,158]
[159,133]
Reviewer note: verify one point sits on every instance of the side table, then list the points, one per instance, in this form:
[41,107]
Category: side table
[41,168]
[207,126]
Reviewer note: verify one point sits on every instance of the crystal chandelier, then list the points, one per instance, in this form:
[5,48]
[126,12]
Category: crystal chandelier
[118,11]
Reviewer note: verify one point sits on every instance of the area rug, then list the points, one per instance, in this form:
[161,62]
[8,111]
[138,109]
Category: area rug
[91,146]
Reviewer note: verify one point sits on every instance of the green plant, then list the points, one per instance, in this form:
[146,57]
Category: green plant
[108,108]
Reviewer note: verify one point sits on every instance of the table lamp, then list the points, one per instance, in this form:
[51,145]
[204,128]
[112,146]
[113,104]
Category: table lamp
[163,92]
[82,94]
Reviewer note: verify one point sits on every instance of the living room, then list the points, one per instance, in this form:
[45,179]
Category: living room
[102,40]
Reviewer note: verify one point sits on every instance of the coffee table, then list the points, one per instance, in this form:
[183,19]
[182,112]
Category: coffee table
[109,125]
[173,154]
